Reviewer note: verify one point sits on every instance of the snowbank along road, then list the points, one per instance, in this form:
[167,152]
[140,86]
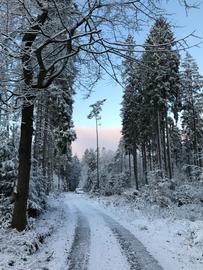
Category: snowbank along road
[101,243]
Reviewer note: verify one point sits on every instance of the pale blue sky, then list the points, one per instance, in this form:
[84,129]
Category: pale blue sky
[108,89]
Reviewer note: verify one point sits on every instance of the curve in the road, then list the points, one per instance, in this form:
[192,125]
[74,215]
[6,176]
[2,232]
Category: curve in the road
[79,254]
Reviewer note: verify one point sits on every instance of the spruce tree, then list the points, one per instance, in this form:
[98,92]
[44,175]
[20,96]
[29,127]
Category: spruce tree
[161,85]
[131,104]
[192,110]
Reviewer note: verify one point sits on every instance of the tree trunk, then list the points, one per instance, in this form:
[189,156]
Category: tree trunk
[129,162]
[150,156]
[97,136]
[19,220]
[164,146]
[135,165]
[168,146]
[159,145]
[45,137]
[144,159]
[200,157]
[195,143]
[37,148]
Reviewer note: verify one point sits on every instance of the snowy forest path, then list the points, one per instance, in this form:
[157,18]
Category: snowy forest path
[79,254]
[109,245]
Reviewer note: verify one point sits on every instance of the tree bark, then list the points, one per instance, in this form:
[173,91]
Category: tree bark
[97,136]
[45,137]
[129,162]
[195,143]
[150,156]
[19,220]
[164,146]
[168,146]
[159,144]
[135,165]
[144,160]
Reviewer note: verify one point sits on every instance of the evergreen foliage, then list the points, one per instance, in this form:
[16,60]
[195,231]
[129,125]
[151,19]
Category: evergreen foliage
[152,92]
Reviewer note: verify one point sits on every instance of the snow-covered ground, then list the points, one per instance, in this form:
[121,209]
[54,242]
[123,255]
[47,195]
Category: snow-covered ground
[78,232]
[45,245]
[176,243]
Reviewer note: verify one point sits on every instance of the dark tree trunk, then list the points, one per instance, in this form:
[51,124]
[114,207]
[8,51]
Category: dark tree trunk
[164,147]
[150,156]
[37,148]
[144,159]
[45,137]
[168,146]
[159,148]
[19,220]
[189,162]
[135,165]
[200,157]
[195,143]
[129,162]
[97,138]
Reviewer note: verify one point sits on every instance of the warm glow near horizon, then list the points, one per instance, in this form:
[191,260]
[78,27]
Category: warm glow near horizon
[86,138]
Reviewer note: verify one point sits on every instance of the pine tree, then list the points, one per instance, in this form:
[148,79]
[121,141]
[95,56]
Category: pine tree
[89,162]
[176,145]
[74,173]
[131,105]
[161,85]
[192,110]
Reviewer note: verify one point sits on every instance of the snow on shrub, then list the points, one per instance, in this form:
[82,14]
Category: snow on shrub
[114,183]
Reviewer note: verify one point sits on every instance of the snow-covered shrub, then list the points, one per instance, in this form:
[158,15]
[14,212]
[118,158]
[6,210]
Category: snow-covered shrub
[5,211]
[91,181]
[195,172]
[8,176]
[194,234]
[74,173]
[37,193]
[89,170]
[8,167]
[189,193]
[159,190]
[114,183]
[131,194]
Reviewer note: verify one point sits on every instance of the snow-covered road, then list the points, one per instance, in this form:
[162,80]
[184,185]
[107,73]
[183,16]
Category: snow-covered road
[83,232]
[101,243]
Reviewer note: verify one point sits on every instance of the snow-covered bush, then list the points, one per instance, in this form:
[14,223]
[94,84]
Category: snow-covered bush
[90,182]
[189,193]
[159,190]
[5,211]
[89,170]
[74,173]
[8,176]
[37,193]
[113,183]
[195,172]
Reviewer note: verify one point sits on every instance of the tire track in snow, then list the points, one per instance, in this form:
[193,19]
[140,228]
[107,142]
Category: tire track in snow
[79,254]
[137,255]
